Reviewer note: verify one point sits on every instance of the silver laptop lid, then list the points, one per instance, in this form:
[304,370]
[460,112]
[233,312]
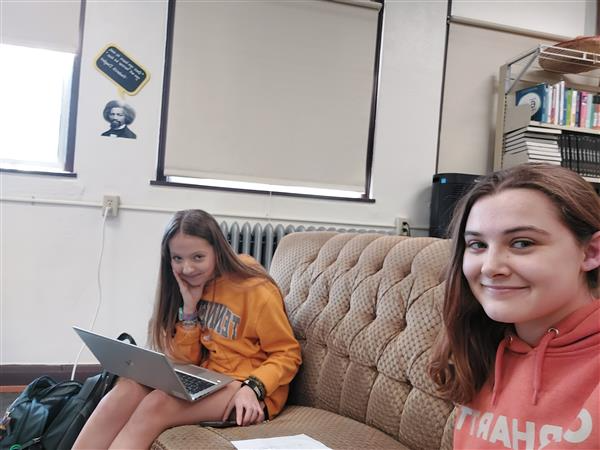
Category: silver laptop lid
[147,367]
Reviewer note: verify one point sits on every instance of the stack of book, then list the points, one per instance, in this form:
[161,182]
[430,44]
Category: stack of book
[531,144]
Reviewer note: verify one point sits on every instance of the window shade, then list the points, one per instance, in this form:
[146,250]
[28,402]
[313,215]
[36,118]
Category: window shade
[469,109]
[272,92]
[53,25]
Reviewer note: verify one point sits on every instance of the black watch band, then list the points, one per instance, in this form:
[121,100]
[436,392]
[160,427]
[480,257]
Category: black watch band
[256,386]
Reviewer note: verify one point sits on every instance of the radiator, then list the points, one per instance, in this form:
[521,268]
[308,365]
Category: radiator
[260,241]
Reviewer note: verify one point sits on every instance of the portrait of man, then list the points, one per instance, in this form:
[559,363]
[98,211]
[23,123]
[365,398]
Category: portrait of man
[119,115]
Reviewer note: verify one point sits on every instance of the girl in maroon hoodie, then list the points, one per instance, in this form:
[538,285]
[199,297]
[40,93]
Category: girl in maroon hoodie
[520,349]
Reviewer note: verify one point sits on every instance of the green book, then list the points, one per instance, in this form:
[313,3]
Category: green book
[569,96]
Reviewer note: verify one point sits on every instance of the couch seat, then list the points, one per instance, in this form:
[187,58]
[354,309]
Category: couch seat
[333,430]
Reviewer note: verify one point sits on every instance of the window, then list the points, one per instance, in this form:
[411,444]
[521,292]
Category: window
[38,88]
[271,96]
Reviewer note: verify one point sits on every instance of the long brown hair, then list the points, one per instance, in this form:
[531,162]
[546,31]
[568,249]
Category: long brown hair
[192,222]
[464,354]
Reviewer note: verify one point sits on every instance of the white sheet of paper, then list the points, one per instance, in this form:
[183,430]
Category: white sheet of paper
[296,442]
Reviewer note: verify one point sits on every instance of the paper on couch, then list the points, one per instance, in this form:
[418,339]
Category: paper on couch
[296,442]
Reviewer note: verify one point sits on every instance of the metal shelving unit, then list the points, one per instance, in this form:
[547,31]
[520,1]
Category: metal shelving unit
[532,67]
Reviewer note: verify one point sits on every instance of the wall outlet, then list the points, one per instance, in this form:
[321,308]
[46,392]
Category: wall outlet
[402,226]
[111,202]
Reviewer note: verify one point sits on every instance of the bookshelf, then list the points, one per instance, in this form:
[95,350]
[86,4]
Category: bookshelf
[526,70]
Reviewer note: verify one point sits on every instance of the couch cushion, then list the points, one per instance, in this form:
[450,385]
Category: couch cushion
[190,437]
[333,430]
[366,309]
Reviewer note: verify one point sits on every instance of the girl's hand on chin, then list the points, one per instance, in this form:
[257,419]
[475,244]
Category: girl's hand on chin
[191,294]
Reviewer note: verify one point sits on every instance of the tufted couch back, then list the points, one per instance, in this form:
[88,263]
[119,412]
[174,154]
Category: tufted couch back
[366,309]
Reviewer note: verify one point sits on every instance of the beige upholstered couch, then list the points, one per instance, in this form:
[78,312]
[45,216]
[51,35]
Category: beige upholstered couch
[366,310]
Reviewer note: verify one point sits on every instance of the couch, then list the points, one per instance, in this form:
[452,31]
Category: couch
[366,309]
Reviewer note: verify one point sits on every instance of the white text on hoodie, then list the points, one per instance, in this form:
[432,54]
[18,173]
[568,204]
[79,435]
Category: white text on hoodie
[492,428]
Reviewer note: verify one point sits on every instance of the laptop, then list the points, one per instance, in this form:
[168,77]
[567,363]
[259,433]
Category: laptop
[153,369]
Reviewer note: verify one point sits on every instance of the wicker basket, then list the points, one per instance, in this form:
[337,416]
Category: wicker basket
[575,56]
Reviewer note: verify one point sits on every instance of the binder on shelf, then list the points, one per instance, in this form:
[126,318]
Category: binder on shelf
[535,98]
[581,153]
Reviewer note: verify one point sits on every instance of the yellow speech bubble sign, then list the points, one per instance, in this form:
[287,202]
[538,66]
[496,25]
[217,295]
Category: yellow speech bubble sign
[129,76]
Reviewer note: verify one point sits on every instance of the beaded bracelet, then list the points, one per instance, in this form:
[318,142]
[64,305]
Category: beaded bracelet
[188,320]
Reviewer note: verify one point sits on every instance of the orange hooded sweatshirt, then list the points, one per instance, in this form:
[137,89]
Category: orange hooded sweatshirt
[246,332]
[543,397]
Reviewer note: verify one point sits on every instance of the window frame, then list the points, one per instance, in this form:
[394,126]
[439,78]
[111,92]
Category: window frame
[66,153]
[161,179]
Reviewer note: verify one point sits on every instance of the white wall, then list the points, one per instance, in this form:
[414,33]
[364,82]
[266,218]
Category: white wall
[562,17]
[49,253]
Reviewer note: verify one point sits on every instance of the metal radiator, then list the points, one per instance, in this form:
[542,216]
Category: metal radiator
[261,241]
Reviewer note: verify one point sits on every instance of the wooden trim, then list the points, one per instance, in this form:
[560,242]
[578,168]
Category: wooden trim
[11,389]
[18,375]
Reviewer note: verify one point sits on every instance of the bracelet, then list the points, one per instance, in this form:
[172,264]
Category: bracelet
[189,323]
[183,317]
[256,385]
[187,320]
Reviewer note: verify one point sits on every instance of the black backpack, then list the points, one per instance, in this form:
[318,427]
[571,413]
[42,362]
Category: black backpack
[49,415]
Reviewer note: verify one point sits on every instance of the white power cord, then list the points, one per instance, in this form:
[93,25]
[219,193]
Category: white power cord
[91,327]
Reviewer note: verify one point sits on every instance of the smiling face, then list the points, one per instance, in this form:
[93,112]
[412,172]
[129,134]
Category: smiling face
[523,265]
[192,258]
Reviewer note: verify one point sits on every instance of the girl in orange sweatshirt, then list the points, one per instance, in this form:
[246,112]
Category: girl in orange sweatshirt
[520,349]
[213,309]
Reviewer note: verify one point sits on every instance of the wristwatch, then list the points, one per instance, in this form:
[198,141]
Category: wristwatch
[256,385]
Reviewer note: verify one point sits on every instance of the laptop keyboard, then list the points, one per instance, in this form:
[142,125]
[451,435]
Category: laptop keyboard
[193,384]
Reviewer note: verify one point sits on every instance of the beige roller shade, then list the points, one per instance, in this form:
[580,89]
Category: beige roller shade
[272,92]
[48,24]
